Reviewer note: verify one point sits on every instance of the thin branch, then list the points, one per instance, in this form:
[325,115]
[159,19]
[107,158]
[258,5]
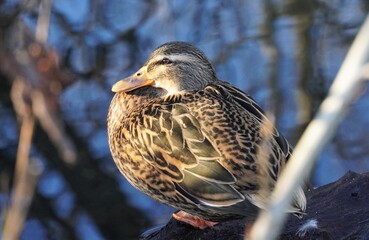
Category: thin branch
[343,91]
[24,178]
[54,127]
[43,21]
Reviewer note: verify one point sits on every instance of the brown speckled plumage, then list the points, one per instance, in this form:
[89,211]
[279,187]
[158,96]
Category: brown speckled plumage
[191,141]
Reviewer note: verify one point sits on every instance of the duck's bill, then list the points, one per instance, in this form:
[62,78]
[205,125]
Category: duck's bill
[131,83]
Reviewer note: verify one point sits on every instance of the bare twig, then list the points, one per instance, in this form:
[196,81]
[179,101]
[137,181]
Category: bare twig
[263,155]
[24,180]
[344,89]
[54,127]
[43,21]
[24,185]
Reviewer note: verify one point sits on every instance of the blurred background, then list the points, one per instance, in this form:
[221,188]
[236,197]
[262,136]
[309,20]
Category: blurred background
[58,60]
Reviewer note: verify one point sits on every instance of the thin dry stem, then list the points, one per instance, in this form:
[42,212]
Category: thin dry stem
[43,21]
[24,181]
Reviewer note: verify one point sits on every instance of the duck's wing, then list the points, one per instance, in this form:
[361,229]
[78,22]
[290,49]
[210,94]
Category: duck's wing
[171,138]
[249,104]
[246,102]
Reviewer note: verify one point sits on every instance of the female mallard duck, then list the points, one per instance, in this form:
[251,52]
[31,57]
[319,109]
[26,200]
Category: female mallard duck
[191,141]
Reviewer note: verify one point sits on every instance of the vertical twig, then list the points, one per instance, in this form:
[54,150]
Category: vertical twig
[343,90]
[24,181]
[43,21]
[23,184]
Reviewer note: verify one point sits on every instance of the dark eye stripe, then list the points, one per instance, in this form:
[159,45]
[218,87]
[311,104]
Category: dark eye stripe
[166,61]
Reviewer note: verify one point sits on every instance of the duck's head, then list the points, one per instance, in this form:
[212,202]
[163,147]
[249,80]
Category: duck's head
[174,67]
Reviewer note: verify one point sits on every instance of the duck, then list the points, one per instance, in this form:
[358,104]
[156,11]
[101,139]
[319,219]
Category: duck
[194,142]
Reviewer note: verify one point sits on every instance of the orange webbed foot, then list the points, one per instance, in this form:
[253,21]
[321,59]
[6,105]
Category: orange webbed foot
[193,220]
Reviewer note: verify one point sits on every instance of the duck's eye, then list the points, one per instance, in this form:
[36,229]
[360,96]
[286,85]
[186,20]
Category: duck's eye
[166,61]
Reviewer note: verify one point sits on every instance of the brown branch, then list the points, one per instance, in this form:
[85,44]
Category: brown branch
[25,177]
